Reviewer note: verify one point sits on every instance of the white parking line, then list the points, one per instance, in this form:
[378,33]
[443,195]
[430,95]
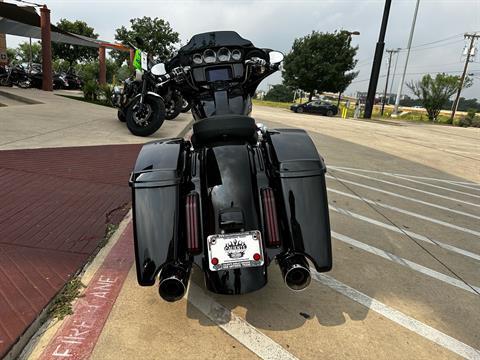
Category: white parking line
[257,342]
[410,188]
[407,263]
[400,318]
[404,197]
[434,186]
[453,182]
[406,212]
[407,232]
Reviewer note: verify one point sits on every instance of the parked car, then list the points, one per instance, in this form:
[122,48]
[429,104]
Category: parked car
[317,107]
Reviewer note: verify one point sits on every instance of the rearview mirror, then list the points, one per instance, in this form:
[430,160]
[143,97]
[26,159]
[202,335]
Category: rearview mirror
[276,57]
[158,69]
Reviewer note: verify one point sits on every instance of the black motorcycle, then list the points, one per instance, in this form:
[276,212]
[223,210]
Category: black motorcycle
[234,197]
[15,75]
[139,105]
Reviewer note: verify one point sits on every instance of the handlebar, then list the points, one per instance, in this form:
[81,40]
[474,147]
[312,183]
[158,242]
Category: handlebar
[256,61]
[174,74]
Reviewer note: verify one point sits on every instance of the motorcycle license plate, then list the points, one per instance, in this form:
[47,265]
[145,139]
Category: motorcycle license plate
[234,251]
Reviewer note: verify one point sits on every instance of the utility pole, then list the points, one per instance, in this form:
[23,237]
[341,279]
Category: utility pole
[390,53]
[393,75]
[472,38]
[377,62]
[412,29]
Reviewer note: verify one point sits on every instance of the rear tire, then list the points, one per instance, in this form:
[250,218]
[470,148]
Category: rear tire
[146,124]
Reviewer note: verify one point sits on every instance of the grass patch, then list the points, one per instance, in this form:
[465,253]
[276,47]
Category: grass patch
[109,231]
[62,304]
[79,98]
[282,105]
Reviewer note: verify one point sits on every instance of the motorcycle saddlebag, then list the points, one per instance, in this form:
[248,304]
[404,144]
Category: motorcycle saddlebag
[299,182]
[156,190]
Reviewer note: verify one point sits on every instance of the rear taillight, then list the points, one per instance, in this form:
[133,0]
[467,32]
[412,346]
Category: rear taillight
[193,224]
[270,215]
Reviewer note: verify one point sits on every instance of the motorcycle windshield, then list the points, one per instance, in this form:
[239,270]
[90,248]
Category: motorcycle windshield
[215,39]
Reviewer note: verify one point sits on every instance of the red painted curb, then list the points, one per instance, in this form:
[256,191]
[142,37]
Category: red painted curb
[79,334]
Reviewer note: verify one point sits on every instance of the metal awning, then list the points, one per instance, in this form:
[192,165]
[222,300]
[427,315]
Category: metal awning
[24,21]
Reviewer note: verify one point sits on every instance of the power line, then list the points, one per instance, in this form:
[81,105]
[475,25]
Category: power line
[436,41]
[437,46]
[474,72]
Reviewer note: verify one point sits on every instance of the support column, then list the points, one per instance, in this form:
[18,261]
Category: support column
[102,78]
[47,80]
[3,49]
[132,56]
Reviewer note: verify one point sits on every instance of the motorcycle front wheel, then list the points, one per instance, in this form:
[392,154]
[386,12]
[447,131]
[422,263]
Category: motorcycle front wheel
[144,119]
[5,82]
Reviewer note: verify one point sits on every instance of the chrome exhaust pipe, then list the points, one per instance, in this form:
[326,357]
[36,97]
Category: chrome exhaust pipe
[295,271]
[173,282]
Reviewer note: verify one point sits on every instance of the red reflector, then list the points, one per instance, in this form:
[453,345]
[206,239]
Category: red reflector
[214,261]
[270,215]
[192,222]
[256,256]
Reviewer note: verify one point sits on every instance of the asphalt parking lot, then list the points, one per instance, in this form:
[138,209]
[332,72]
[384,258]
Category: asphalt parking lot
[405,210]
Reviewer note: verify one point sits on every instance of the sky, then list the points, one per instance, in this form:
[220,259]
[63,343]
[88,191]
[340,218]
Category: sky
[276,24]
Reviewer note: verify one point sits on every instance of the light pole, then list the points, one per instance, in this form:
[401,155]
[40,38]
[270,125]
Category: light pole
[410,38]
[377,62]
[349,33]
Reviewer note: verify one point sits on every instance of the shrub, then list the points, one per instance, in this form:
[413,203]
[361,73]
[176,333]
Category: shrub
[471,113]
[476,122]
[91,90]
[106,92]
[280,93]
[465,122]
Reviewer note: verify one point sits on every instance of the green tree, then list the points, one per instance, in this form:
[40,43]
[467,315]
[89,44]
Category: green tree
[75,53]
[23,52]
[90,70]
[281,93]
[435,92]
[321,62]
[11,55]
[157,36]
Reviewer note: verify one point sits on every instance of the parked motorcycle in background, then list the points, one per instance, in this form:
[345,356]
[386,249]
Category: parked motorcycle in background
[236,196]
[15,75]
[141,107]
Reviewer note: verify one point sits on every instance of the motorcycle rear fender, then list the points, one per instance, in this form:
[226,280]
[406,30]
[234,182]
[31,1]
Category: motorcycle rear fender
[231,204]
[156,183]
[298,174]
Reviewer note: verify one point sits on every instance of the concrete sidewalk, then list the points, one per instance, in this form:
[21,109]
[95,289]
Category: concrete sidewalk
[64,178]
[59,121]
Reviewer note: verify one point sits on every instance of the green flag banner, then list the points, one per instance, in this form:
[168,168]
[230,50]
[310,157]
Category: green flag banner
[137,60]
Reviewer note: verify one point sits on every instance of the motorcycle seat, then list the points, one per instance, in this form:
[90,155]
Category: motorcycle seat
[224,128]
